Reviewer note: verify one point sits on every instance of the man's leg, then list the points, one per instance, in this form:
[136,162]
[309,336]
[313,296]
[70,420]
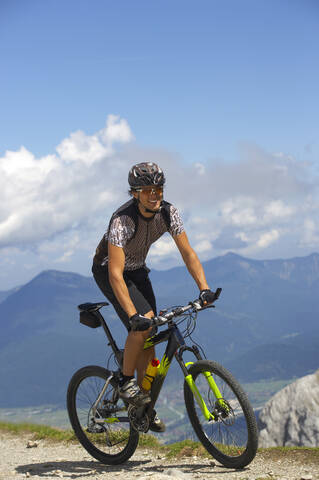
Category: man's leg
[135,358]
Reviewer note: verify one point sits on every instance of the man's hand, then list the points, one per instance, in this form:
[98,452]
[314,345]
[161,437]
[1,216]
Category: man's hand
[139,323]
[206,297]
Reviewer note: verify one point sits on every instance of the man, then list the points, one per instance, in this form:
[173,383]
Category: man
[120,272]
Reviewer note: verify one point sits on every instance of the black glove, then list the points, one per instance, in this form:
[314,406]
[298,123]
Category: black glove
[139,323]
[206,297]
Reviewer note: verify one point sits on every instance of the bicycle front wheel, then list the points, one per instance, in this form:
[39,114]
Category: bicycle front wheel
[99,417]
[227,427]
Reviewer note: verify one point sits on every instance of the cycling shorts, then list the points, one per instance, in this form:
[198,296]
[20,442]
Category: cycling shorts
[139,287]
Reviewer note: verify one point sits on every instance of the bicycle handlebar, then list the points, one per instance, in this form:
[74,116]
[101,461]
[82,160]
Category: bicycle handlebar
[195,305]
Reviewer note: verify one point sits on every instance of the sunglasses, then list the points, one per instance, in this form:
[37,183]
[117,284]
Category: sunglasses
[151,189]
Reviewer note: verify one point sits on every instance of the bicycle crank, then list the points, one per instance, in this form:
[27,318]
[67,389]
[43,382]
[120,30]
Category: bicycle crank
[138,418]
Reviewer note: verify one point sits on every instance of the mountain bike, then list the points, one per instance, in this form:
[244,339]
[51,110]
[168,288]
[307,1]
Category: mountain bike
[217,406]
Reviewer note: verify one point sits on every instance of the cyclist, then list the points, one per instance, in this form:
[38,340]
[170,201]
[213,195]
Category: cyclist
[120,271]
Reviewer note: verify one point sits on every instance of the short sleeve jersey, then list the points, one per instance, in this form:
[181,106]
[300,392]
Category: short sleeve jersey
[133,232]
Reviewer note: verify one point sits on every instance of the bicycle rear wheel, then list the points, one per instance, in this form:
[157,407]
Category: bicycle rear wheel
[102,428]
[230,436]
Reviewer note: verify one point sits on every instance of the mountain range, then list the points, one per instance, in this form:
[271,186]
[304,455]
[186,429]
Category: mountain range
[264,326]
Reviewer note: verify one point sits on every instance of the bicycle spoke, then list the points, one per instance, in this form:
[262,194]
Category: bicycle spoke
[99,431]
[230,435]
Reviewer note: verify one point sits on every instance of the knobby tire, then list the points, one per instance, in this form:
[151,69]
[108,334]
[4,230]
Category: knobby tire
[232,438]
[83,390]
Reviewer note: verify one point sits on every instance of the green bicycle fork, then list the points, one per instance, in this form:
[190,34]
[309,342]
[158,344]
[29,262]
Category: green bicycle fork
[212,384]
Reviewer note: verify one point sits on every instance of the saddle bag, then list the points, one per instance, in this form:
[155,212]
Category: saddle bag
[90,319]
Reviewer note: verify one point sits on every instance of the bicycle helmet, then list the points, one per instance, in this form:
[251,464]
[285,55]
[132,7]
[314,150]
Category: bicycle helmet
[144,174]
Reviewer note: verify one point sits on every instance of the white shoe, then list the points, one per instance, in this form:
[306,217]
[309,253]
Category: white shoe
[131,393]
[157,425]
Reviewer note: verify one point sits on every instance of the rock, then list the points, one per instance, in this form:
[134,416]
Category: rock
[32,444]
[175,473]
[291,417]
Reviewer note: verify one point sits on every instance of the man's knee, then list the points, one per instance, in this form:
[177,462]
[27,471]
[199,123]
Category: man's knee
[140,336]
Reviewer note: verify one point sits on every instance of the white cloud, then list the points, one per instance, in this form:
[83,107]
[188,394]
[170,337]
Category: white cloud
[201,170]
[242,236]
[90,149]
[55,209]
[82,148]
[203,246]
[276,209]
[310,233]
[268,238]
[42,197]
[163,247]
[117,130]
[238,211]
[199,221]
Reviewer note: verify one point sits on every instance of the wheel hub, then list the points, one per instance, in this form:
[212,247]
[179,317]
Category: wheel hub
[224,412]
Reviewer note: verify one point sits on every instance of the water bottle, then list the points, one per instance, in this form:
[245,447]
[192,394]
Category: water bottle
[150,374]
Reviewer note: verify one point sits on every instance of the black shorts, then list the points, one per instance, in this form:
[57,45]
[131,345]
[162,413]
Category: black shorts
[139,287]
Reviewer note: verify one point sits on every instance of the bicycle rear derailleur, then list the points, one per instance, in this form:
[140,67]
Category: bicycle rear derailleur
[138,418]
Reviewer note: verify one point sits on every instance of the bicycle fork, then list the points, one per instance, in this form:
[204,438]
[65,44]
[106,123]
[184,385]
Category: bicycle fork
[201,403]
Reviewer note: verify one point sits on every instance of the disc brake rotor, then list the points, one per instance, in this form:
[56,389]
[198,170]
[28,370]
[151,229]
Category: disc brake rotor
[224,412]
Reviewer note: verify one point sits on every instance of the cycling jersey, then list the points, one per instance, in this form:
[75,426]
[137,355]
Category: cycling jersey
[133,232]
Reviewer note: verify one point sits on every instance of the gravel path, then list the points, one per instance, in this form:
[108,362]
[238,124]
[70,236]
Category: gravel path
[51,461]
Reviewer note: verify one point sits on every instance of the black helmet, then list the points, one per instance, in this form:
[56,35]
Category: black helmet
[146,173]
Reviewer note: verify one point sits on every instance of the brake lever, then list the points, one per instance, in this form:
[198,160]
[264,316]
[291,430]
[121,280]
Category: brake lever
[199,307]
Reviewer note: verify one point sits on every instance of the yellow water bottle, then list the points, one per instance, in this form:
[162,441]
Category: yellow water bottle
[150,374]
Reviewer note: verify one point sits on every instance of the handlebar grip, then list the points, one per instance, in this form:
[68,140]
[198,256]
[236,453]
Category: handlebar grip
[218,292]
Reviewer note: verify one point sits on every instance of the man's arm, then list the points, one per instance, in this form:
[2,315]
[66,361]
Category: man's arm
[116,262]
[191,260]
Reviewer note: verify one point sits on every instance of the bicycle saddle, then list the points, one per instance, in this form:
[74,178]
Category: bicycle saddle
[91,307]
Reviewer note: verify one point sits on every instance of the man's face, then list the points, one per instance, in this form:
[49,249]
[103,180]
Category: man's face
[150,197]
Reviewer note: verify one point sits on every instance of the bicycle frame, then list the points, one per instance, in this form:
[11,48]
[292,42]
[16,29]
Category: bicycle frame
[175,347]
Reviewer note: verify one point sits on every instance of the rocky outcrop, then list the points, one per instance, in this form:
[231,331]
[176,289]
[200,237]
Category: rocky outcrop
[291,417]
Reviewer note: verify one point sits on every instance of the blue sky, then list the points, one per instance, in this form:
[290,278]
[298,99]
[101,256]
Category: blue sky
[225,90]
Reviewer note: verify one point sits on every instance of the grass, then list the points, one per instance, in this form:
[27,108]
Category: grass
[304,455]
[185,448]
[39,432]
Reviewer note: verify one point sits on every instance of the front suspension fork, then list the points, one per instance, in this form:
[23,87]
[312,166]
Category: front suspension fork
[201,403]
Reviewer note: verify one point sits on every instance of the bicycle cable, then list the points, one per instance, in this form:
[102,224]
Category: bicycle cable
[190,327]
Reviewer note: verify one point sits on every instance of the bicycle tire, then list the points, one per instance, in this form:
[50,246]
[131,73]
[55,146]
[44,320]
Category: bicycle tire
[112,442]
[232,437]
